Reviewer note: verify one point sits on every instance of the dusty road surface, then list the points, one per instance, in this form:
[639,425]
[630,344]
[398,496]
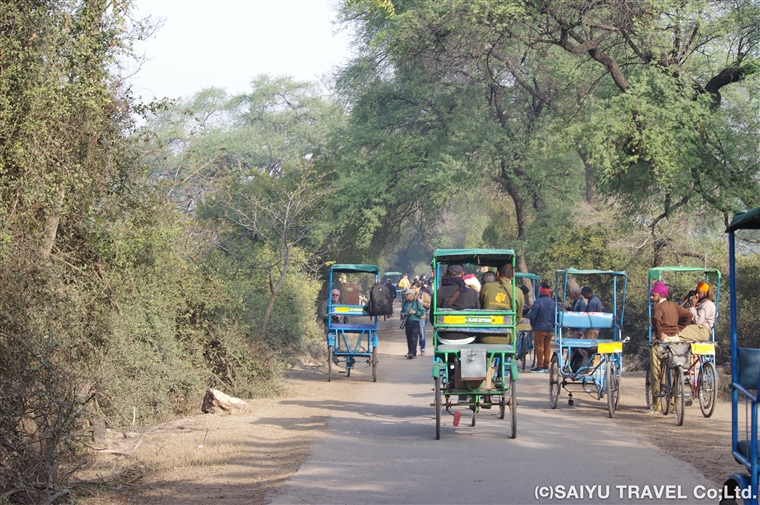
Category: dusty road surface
[355,441]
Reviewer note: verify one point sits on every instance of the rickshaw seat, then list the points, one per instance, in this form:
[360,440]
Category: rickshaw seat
[583,342]
[487,347]
[587,319]
[749,367]
[352,327]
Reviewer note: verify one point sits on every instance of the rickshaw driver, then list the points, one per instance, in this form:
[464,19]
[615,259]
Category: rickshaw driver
[593,304]
[498,296]
[668,321]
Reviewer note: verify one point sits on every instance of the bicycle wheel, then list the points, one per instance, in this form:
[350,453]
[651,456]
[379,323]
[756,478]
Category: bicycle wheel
[679,389]
[512,407]
[374,364]
[613,393]
[437,408]
[523,349]
[707,385]
[648,387]
[666,387]
[554,378]
[329,363]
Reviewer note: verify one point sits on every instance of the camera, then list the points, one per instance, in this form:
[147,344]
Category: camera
[403,320]
[687,301]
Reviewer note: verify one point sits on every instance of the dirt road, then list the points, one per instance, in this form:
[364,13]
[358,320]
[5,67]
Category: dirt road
[354,441]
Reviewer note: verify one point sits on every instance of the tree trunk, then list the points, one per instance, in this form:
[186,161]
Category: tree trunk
[276,288]
[592,197]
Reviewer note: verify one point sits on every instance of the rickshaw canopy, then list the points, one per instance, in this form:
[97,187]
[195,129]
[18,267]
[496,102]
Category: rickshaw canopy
[573,271]
[350,267]
[392,273]
[656,273]
[749,220]
[489,257]
[526,275]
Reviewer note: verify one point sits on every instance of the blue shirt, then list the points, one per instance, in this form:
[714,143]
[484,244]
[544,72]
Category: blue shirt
[594,304]
[542,314]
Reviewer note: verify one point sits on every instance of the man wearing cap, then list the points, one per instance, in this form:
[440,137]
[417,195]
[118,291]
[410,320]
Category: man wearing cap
[593,304]
[668,321]
[542,322]
[413,310]
[454,294]
[703,315]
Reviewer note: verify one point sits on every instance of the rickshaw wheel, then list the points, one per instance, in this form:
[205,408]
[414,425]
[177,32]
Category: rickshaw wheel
[613,392]
[437,381]
[502,407]
[708,388]
[679,394]
[670,387]
[374,364]
[512,407]
[472,420]
[554,382]
[648,389]
[329,363]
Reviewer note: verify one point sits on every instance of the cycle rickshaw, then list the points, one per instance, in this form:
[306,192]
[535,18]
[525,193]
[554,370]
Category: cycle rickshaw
[687,369]
[745,382]
[524,351]
[394,277]
[483,373]
[351,341]
[591,366]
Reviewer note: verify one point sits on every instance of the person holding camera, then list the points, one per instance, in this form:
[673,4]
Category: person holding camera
[412,311]
[702,307]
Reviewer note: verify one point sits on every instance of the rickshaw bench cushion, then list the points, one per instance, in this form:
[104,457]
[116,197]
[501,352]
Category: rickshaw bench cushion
[588,319]
[487,347]
[352,327]
[749,367]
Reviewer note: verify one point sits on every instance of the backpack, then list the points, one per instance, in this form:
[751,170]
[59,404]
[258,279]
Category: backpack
[380,303]
[581,357]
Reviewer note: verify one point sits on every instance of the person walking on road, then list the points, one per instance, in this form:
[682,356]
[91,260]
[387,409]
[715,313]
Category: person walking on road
[411,310]
[542,322]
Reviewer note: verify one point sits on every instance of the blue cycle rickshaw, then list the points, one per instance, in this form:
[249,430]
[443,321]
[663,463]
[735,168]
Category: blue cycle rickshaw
[394,277]
[590,366]
[483,373]
[524,349]
[687,369]
[350,341]
[745,383]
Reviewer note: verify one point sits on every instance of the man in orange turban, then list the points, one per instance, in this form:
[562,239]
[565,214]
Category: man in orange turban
[703,315]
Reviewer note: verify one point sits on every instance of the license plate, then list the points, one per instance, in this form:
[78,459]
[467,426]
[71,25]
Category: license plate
[703,348]
[476,320]
[610,347]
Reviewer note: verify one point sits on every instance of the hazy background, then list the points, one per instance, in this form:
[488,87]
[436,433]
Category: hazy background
[226,43]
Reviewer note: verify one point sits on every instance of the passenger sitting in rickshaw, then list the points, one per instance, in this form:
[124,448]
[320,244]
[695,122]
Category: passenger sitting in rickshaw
[325,308]
[454,294]
[668,322]
[702,307]
[498,296]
